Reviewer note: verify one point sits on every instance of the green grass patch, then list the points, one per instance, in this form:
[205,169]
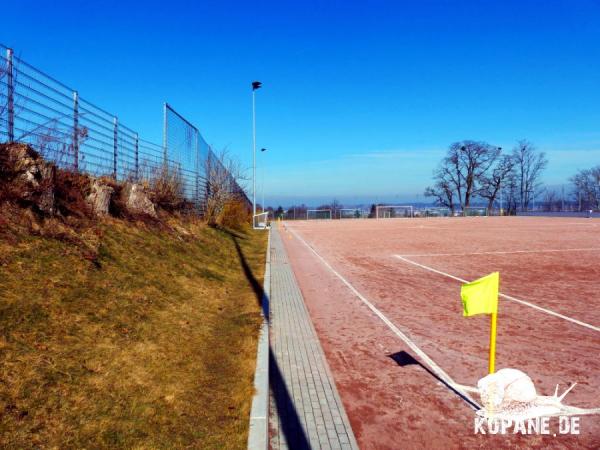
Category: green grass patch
[150,345]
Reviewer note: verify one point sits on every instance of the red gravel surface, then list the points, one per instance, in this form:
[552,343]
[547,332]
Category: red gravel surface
[395,402]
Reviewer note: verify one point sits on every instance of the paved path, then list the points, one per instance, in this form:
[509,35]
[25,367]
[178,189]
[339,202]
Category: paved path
[305,409]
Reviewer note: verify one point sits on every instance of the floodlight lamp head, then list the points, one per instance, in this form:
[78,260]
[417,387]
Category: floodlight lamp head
[256,85]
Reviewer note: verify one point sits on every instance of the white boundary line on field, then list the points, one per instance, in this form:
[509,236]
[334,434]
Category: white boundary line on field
[557,250]
[508,297]
[440,373]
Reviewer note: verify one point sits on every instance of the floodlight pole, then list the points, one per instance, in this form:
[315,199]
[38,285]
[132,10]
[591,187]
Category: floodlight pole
[255,85]
[262,150]
[253,153]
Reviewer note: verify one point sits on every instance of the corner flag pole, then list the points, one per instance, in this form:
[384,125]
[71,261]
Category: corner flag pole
[493,342]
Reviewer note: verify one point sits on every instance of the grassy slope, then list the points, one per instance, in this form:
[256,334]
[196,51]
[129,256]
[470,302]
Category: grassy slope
[154,347]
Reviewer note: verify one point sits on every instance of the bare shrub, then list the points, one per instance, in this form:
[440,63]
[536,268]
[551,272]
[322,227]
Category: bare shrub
[222,188]
[166,186]
[71,190]
[235,215]
[55,142]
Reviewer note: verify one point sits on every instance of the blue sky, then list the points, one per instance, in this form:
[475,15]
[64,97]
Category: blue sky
[360,99]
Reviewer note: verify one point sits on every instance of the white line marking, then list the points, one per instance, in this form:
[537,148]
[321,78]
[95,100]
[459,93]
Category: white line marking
[508,297]
[558,250]
[426,359]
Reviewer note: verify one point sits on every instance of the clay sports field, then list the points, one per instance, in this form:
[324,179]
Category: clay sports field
[366,282]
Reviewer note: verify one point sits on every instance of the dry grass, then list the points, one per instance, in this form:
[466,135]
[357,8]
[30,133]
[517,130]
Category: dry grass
[151,345]
[235,215]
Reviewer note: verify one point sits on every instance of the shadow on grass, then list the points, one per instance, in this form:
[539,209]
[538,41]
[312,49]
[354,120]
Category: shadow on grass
[289,419]
[259,292]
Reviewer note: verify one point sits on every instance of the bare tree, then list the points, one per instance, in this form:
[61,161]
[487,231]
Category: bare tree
[587,188]
[529,165]
[442,191]
[475,160]
[510,194]
[493,182]
[551,201]
[462,171]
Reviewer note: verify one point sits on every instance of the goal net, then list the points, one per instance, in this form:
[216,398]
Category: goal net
[348,213]
[261,220]
[437,212]
[393,211]
[318,214]
[475,212]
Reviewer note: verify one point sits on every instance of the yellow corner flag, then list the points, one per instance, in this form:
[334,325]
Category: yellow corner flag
[481,297]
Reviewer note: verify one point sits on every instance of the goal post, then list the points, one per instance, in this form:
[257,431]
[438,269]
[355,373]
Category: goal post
[261,220]
[394,211]
[349,213]
[437,212]
[475,211]
[312,214]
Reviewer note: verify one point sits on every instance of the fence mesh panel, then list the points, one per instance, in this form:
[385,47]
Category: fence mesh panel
[76,134]
[181,142]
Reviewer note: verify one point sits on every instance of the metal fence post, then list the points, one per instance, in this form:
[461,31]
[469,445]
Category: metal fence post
[10,103]
[137,157]
[165,130]
[76,131]
[115,147]
[209,172]
[197,171]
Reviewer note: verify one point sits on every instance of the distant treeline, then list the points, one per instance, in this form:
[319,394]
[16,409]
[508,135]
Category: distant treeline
[476,173]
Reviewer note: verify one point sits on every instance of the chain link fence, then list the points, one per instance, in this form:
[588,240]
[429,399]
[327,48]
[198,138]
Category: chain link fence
[77,135]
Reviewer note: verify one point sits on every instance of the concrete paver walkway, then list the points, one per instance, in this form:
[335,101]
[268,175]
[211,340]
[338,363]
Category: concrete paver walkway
[305,409]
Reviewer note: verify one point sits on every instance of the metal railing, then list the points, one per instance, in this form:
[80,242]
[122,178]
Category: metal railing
[77,135]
